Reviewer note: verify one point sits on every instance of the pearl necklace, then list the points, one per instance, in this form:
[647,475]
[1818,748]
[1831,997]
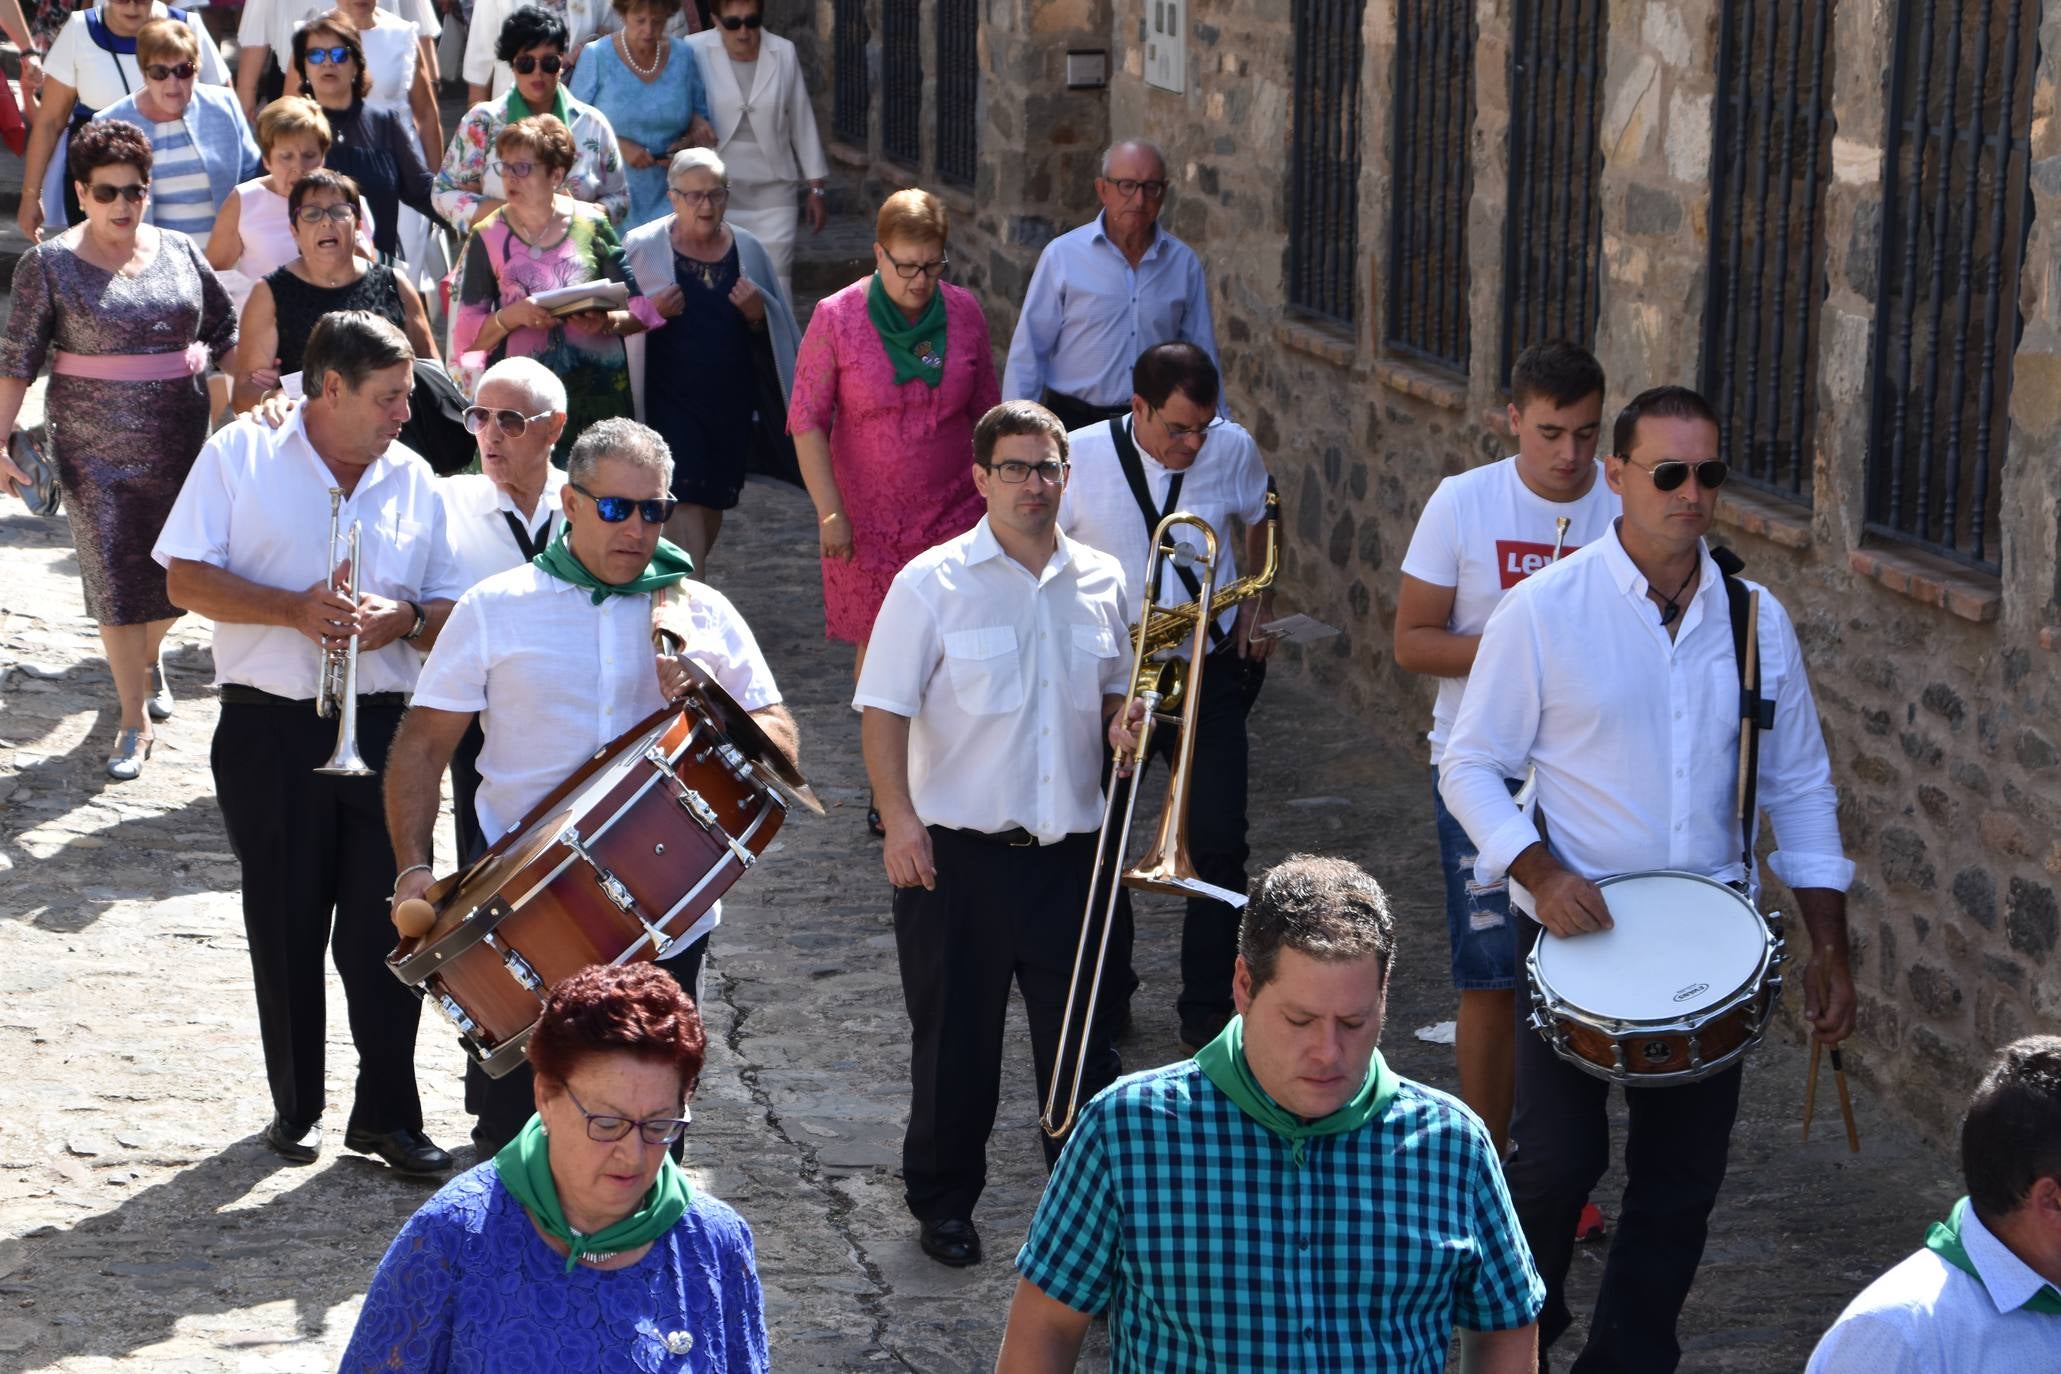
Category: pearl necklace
[622,40]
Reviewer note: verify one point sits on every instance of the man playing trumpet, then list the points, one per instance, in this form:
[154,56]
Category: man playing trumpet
[241,548]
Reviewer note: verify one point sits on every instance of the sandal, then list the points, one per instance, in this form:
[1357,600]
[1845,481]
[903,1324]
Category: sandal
[132,747]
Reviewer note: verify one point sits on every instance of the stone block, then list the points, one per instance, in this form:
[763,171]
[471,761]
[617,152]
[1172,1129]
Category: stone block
[1855,163]
[1875,672]
[1976,892]
[2035,751]
[2036,393]
[1970,775]
[1688,137]
[1920,748]
[1633,115]
[1904,865]
[1933,990]
[1339,549]
[1938,805]
[1876,772]
[1370,551]
[2002,835]
[1944,702]
[1875,722]
[2031,918]
[1651,211]
[2007,972]
[1663,31]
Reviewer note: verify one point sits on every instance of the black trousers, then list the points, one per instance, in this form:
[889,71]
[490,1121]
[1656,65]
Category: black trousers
[1075,413]
[472,842]
[1216,840]
[998,914]
[1675,1153]
[317,872]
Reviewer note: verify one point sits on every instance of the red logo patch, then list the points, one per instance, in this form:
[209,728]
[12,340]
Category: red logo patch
[1517,560]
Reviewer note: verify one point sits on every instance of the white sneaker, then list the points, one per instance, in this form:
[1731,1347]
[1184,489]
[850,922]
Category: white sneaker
[132,747]
[160,703]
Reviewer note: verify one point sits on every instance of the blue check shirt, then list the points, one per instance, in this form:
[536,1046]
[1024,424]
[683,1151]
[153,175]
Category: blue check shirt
[1212,1249]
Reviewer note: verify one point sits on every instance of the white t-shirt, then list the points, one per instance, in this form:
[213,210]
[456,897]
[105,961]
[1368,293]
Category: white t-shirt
[101,77]
[1482,533]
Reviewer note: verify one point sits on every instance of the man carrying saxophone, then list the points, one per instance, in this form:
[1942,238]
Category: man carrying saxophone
[243,547]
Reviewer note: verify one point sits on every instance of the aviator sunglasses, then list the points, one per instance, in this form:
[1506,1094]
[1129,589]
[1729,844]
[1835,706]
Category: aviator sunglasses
[513,422]
[616,509]
[526,64]
[1710,473]
[105,194]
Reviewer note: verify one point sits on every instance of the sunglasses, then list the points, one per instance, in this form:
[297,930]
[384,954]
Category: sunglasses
[158,71]
[513,423]
[105,195]
[339,213]
[526,64]
[336,56]
[616,509]
[1710,473]
[734,22]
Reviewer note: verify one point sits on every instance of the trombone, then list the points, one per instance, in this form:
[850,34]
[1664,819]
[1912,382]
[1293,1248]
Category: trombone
[1171,689]
[336,691]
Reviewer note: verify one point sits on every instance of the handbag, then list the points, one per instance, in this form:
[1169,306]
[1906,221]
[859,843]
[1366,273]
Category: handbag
[30,450]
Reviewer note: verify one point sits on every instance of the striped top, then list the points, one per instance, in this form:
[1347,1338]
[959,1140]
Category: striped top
[180,197]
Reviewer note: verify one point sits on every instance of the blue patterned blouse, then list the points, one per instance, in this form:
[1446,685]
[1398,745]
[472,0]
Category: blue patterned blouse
[469,1287]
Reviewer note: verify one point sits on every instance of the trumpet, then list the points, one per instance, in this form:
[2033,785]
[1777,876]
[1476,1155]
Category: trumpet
[1162,684]
[336,692]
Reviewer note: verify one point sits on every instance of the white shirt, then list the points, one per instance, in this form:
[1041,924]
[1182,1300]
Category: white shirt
[1227,478]
[1482,532]
[1001,673]
[1925,1316]
[101,77]
[476,522]
[1636,737]
[257,504]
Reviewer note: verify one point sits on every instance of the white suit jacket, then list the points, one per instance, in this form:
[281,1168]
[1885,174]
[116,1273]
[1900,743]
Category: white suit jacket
[781,116]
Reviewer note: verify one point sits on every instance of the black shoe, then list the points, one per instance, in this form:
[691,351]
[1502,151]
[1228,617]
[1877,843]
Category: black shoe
[1197,1031]
[405,1151]
[952,1241]
[294,1144]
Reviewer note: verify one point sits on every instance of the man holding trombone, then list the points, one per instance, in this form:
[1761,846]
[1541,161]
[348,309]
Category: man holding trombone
[995,666]
[315,654]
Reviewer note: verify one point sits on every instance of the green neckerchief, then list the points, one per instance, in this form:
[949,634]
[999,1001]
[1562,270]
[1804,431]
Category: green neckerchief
[1944,1240]
[669,563]
[917,350]
[1222,1060]
[525,1168]
[518,108]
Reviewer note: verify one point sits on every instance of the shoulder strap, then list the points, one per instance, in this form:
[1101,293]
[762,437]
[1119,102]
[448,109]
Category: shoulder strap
[1134,474]
[1751,706]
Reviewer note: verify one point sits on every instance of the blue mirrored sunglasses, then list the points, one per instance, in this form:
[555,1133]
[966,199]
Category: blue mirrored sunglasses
[337,55]
[616,509]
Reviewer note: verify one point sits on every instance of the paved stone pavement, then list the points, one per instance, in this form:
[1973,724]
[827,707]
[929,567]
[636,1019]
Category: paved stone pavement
[142,1227]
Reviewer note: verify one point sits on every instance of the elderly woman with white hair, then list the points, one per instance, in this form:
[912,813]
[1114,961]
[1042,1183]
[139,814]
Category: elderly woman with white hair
[501,517]
[726,350]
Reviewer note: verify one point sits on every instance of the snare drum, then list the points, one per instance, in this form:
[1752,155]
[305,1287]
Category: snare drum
[1677,989]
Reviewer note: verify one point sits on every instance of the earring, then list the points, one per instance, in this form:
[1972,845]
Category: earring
[543,1129]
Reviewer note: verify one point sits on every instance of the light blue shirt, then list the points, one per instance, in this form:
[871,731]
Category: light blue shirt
[1927,1317]
[1089,314]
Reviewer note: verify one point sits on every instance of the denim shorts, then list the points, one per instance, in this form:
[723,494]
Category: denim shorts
[1477,914]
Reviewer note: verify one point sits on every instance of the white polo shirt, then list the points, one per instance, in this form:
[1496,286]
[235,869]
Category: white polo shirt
[1001,672]
[476,515]
[1228,478]
[257,504]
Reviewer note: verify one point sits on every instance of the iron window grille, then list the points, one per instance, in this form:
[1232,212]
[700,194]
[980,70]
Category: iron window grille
[958,86]
[1432,182]
[901,82]
[851,109]
[1324,216]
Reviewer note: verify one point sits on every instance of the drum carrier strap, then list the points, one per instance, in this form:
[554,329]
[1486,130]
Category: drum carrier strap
[1751,706]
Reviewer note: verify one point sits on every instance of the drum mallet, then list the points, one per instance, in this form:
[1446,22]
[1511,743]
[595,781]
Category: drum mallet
[414,917]
[1810,1095]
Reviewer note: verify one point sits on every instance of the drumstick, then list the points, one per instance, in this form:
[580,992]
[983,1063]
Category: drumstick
[1810,1091]
[1746,722]
[1853,1137]
[414,917]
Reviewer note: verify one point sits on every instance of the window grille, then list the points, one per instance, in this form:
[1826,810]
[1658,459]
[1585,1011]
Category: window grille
[851,111]
[1324,222]
[1432,181]
[958,85]
[901,82]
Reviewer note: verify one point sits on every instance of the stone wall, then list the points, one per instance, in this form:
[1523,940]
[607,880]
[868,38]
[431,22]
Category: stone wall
[1938,688]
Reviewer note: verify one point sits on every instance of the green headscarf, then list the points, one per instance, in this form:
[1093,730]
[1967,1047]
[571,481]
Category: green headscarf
[1944,1240]
[916,350]
[669,564]
[525,1168]
[1222,1061]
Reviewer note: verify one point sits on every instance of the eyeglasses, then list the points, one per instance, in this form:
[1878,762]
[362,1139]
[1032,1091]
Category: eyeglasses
[133,193]
[655,1130]
[517,170]
[526,64]
[1126,187]
[616,509]
[513,423]
[343,212]
[1180,432]
[719,196]
[909,271]
[159,71]
[734,22]
[1710,473]
[1015,472]
[335,56]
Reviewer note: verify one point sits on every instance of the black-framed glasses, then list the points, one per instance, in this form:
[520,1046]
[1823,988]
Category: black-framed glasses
[518,170]
[718,197]
[513,422]
[550,62]
[159,71]
[343,212]
[909,271]
[655,1130]
[734,22]
[1128,187]
[134,193]
[1180,432]
[335,56]
[1710,473]
[616,509]
[1016,472]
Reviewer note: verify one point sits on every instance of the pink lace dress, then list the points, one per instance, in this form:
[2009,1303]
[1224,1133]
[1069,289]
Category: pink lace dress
[902,455]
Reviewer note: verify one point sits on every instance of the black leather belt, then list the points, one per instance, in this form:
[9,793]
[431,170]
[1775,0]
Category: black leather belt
[1015,837]
[236,694]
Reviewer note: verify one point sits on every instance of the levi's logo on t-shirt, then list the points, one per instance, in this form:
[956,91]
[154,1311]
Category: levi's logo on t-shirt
[1517,560]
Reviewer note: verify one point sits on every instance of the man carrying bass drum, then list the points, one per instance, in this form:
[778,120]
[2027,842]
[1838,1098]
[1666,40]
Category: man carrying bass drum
[1613,673]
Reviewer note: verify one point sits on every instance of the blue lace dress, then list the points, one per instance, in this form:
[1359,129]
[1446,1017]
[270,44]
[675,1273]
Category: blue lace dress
[469,1287]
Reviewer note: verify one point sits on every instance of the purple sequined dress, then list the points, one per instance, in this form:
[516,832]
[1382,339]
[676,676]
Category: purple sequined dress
[468,1287]
[122,448]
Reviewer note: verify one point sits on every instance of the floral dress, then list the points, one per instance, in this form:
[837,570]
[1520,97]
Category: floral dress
[499,268]
[467,177]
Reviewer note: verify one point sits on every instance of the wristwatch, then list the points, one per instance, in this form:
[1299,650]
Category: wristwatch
[421,622]
[818,191]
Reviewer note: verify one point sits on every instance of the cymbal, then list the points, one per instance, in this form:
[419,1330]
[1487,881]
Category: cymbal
[750,738]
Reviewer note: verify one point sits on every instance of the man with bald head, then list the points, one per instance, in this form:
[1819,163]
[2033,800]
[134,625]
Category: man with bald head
[1106,292]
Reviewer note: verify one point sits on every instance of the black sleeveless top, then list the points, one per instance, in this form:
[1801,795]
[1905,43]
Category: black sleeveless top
[299,304]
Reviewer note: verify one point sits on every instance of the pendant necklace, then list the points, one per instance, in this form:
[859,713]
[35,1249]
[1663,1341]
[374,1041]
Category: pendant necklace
[1672,606]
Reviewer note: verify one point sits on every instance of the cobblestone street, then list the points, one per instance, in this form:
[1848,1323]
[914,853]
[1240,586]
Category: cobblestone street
[143,1227]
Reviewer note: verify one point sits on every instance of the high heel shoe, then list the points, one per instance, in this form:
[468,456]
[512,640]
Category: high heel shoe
[160,701]
[132,747]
